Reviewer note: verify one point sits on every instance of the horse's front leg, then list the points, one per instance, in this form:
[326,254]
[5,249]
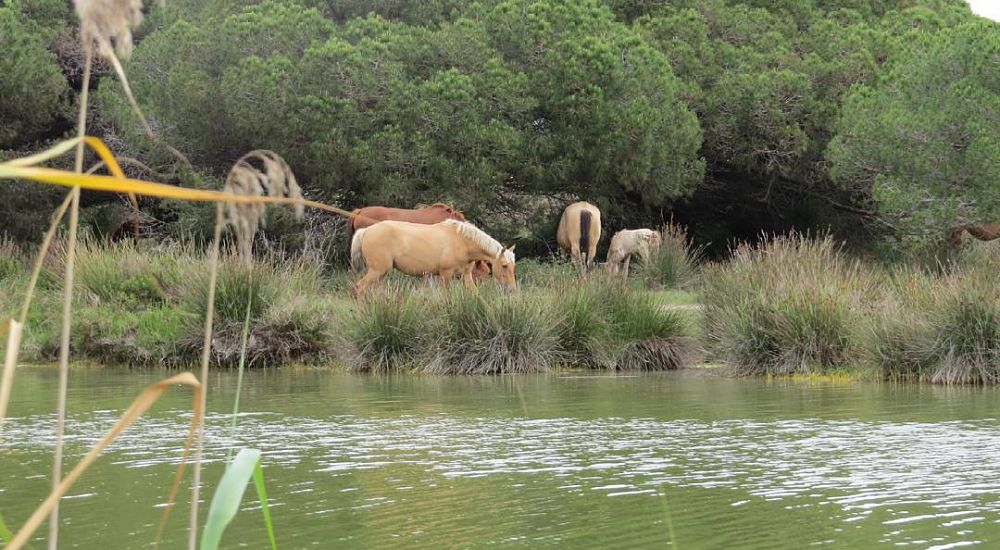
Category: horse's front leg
[446,276]
[627,258]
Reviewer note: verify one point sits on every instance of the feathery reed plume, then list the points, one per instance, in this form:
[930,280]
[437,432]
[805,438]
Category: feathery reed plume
[275,180]
[102,21]
[247,181]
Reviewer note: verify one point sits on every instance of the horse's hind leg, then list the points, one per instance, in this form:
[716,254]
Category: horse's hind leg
[574,253]
[370,278]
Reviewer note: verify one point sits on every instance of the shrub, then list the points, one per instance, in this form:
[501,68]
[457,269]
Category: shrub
[900,343]
[490,333]
[792,305]
[388,330]
[966,324]
[675,263]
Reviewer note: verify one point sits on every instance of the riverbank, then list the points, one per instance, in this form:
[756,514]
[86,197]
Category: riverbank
[144,306]
[794,306]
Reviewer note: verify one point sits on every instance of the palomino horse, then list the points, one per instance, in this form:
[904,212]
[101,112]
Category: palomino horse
[435,213]
[444,249]
[579,231]
[631,241]
[982,232]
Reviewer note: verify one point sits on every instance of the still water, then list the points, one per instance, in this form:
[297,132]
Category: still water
[680,460]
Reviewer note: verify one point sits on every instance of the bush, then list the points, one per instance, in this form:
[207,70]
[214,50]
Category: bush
[943,328]
[388,331]
[793,305]
[675,263]
[605,324]
[490,333]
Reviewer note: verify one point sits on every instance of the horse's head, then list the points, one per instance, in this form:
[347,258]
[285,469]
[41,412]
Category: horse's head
[655,239]
[502,266]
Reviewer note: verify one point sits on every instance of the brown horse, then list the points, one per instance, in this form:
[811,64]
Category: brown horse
[435,213]
[982,232]
[578,233]
[444,249]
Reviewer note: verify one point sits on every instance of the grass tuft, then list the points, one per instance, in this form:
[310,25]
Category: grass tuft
[792,305]
[388,331]
[492,333]
[675,263]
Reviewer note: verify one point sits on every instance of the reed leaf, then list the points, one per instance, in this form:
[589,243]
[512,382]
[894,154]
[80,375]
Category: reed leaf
[242,366]
[14,330]
[229,493]
[117,183]
[258,481]
[5,534]
[139,406]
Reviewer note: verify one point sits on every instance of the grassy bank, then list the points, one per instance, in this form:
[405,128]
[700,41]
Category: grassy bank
[793,306]
[801,306]
[144,306]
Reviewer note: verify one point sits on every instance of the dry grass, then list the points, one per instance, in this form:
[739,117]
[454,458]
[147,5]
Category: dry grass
[792,305]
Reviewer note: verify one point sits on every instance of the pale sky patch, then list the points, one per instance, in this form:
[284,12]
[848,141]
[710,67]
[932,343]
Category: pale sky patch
[986,8]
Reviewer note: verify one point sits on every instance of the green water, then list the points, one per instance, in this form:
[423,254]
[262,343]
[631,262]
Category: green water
[569,461]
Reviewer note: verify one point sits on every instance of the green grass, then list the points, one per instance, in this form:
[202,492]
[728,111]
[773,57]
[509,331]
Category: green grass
[675,263]
[492,333]
[791,306]
[387,331]
[943,327]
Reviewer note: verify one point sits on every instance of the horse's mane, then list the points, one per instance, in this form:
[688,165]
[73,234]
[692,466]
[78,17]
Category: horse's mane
[480,237]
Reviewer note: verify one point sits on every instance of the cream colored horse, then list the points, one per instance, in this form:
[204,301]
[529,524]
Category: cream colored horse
[627,242]
[444,249]
[578,233]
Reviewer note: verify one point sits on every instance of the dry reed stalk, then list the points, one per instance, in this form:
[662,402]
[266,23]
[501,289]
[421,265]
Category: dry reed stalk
[205,356]
[67,320]
[276,180]
[139,406]
[24,168]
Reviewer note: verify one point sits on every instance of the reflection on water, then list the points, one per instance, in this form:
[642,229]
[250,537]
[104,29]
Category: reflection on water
[574,461]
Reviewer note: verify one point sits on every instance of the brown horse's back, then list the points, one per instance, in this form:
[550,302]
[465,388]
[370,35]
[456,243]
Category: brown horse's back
[429,215]
[987,232]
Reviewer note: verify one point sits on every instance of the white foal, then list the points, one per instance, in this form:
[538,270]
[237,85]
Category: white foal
[627,242]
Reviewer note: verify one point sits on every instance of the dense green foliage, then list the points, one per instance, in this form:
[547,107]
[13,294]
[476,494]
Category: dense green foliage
[732,116]
[927,140]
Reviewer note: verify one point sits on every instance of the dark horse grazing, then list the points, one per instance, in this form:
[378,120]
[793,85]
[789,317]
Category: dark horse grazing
[982,232]
[428,215]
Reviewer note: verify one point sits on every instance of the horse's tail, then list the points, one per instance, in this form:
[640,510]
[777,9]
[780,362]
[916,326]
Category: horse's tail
[585,216]
[350,229]
[357,258]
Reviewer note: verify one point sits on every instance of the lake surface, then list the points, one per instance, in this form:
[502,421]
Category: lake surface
[676,459]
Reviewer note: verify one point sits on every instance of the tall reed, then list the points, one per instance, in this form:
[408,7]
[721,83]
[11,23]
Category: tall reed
[674,264]
[791,305]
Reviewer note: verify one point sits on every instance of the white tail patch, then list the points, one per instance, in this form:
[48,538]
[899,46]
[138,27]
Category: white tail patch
[357,258]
